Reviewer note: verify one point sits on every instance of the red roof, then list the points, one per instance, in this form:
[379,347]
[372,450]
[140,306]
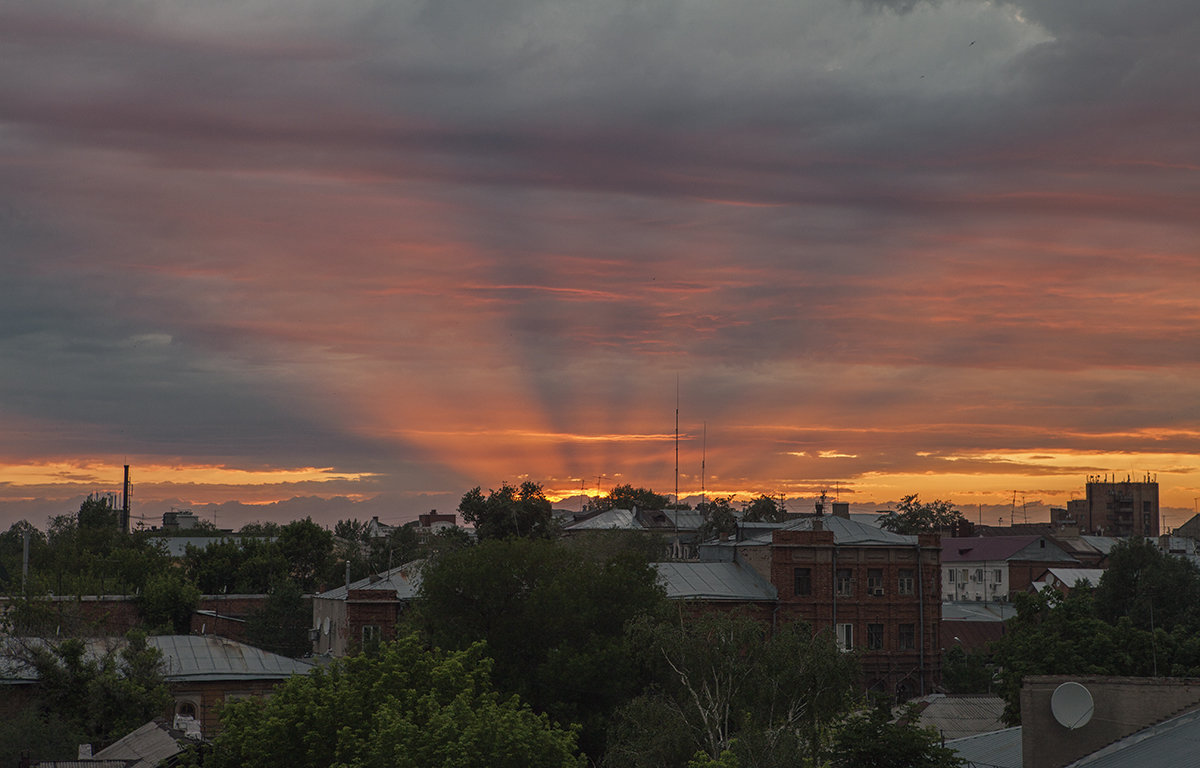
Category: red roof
[977,548]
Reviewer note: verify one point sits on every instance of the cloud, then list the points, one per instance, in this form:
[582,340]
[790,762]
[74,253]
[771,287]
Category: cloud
[446,244]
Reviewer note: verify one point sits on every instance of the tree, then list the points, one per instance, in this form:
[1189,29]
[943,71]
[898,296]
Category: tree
[308,548]
[553,617]
[281,625]
[405,707]
[509,511]
[871,740]
[98,512]
[719,518]
[1154,589]
[628,497]
[764,509]
[729,685]
[167,603]
[96,693]
[912,517]
[1056,635]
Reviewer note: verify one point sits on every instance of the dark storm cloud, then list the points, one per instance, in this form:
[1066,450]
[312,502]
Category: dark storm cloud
[280,229]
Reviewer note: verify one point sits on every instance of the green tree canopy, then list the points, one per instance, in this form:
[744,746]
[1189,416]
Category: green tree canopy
[764,509]
[96,693]
[404,707]
[1153,589]
[167,602]
[522,511]
[628,497]
[553,616]
[719,518]
[872,740]
[727,684]
[281,624]
[911,516]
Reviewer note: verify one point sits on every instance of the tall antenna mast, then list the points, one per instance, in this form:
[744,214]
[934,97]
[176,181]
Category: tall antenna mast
[703,458]
[677,442]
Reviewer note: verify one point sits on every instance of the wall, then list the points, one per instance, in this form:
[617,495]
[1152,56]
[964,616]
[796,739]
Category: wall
[1123,706]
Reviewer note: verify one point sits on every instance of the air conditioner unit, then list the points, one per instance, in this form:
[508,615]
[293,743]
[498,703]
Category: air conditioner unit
[314,634]
[877,591]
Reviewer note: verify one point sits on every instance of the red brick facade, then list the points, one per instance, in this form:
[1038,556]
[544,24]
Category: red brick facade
[884,600]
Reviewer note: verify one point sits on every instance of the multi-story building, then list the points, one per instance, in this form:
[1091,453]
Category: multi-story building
[992,568]
[1114,508]
[878,592]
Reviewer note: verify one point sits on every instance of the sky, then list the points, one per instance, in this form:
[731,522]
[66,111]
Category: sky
[298,257]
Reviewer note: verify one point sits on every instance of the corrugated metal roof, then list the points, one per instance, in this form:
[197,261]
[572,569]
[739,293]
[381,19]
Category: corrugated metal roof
[1172,743]
[404,580]
[618,519]
[998,749]
[961,715]
[145,748]
[713,581]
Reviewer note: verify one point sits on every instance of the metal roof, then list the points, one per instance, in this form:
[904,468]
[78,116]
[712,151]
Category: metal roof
[619,519]
[403,580]
[1069,576]
[960,715]
[972,611]
[998,749]
[144,748]
[186,658]
[852,531]
[209,657]
[1171,742]
[713,581]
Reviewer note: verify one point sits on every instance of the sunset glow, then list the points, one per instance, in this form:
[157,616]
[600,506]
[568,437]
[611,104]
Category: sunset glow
[355,259]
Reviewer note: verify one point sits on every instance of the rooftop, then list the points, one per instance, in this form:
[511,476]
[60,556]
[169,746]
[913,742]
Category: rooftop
[713,581]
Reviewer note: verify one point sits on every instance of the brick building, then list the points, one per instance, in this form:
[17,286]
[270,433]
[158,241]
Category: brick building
[1112,508]
[362,611]
[879,592]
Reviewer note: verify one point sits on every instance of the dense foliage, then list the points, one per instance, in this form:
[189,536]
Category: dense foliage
[872,739]
[912,516]
[522,511]
[86,692]
[722,682]
[404,707]
[1141,620]
[553,615]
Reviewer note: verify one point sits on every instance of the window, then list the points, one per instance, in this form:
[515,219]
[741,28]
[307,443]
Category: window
[875,637]
[845,636]
[962,575]
[997,576]
[978,575]
[951,575]
[905,585]
[874,581]
[370,634]
[907,637]
[845,582]
[802,581]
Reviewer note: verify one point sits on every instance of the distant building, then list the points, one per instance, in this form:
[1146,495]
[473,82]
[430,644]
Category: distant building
[179,520]
[993,568]
[1113,508]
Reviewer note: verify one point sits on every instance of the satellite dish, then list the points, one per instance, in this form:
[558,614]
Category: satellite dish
[1072,705]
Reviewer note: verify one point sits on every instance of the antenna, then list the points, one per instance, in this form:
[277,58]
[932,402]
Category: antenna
[677,442]
[703,458]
